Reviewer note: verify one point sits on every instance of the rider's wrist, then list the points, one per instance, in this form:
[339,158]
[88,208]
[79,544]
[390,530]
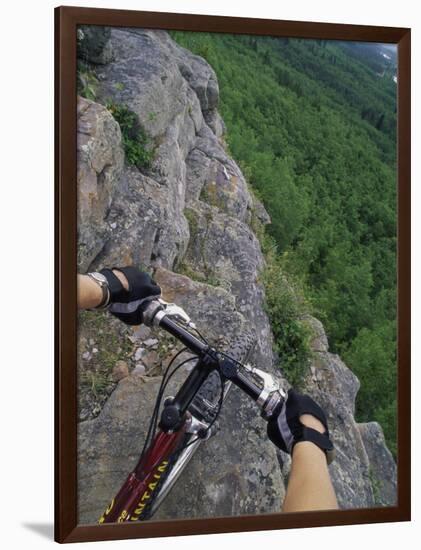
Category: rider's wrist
[102,284]
[118,291]
[320,440]
[306,447]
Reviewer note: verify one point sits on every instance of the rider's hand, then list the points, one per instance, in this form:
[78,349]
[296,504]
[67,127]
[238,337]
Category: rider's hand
[300,419]
[126,299]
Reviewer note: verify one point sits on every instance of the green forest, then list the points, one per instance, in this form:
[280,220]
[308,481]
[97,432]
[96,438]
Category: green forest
[313,126]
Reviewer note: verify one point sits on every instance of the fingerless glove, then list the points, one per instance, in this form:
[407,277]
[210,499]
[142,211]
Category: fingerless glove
[126,304]
[285,428]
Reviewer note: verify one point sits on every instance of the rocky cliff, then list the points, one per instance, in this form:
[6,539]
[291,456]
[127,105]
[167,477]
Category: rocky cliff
[186,214]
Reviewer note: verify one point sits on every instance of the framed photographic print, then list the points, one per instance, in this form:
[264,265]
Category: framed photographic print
[232,274]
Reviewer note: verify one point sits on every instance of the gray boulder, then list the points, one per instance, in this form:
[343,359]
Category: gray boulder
[221,183]
[223,249]
[100,161]
[149,226]
[382,469]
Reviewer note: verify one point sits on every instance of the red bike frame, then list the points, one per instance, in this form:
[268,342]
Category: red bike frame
[137,490]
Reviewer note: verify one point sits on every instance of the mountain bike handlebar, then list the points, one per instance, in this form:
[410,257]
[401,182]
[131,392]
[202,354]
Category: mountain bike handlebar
[267,393]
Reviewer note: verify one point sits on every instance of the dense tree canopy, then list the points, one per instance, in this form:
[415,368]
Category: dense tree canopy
[313,126]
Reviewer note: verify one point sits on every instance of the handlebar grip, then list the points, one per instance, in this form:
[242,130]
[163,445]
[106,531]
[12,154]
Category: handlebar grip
[154,315]
[150,308]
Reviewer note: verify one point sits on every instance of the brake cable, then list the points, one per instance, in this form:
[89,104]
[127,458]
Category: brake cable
[165,379]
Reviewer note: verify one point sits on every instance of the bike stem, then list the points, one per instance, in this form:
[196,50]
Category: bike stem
[173,412]
[208,361]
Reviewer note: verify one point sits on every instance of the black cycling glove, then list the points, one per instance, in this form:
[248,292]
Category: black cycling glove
[285,429]
[126,304]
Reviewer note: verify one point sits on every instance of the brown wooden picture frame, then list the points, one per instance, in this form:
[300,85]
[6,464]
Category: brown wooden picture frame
[66,21]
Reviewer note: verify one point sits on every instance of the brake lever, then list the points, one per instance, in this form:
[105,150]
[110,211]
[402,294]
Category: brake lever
[177,312]
[158,308]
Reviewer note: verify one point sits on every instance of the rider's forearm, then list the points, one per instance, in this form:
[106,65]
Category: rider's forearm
[309,486]
[89,293]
